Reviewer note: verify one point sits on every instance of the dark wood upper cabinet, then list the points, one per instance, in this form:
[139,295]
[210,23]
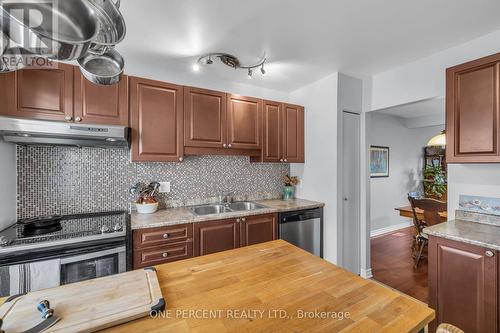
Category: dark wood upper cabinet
[293,133]
[215,236]
[40,93]
[156,115]
[204,118]
[463,285]
[95,104]
[7,93]
[272,132]
[244,122]
[472,111]
[258,229]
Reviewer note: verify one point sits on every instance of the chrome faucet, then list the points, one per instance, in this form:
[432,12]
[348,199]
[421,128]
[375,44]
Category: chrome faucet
[224,197]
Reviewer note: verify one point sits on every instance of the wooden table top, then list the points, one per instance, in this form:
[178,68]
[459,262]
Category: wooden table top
[250,288]
[407,212]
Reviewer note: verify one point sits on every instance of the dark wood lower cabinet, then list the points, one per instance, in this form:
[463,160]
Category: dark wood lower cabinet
[162,254]
[463,287]
[154,246]
[258,229]
[216,236]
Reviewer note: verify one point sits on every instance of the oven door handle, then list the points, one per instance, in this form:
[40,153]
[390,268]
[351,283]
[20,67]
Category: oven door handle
[92,255]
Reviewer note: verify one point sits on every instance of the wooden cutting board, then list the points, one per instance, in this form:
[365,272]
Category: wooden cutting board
[88,306]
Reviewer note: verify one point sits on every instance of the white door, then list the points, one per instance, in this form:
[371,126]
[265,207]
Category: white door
[350,192]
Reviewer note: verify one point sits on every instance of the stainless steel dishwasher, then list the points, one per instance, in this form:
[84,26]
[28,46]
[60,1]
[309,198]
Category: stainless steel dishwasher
[303,228]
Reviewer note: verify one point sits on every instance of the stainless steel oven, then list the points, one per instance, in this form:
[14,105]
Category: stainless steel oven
[31,276]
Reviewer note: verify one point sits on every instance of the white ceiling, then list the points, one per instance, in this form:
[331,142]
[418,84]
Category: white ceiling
[428,107]
[304,40]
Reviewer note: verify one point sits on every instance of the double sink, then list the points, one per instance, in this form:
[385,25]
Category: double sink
[240,206]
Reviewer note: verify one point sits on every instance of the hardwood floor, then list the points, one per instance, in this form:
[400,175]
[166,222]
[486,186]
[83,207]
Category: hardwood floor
[393,265]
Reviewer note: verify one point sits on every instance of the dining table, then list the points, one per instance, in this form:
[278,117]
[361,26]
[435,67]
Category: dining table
[406,211]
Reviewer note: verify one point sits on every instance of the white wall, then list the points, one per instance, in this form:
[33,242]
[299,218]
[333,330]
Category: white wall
[472,179]
[319,174]
[8,187]
[425,78]
[405,166]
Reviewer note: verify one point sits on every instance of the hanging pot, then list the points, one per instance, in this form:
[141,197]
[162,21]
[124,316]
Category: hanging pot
[105,69]
[112,27]
[76,25]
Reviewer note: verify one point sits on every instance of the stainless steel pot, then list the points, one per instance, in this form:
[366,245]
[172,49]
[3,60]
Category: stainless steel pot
[10,59]
[105,69]
[112,27]
[66,36]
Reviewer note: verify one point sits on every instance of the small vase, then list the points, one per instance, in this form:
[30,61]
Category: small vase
[288,192]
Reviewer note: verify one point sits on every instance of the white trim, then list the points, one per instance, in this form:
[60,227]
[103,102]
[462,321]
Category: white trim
[390,228]
[366,273]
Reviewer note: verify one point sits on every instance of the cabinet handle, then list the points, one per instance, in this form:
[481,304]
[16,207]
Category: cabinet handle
[165,236]
[181,159]
[281,160]
[224,145]
[165,254]
[286,160]
[243,219]
[489,253]
[229,145]
[238,220]
[78,119]
[68,118]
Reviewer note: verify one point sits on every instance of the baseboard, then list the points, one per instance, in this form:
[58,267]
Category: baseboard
[366,273]
[391,228]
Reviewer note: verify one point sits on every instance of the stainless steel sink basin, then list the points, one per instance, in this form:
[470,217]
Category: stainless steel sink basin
[209,209]
[225,208]
[244,205]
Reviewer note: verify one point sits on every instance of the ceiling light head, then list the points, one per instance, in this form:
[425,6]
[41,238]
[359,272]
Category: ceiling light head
[196,67]
[249,73]
[262,70]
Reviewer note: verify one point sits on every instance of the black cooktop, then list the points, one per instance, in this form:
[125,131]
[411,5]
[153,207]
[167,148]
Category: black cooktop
[76,228]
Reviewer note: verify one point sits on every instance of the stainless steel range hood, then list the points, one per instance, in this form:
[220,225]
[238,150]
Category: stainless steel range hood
[39,132]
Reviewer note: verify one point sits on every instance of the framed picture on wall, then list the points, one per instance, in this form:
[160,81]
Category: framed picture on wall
[379,161]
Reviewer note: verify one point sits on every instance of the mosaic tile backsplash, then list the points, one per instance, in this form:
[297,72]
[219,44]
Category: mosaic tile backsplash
[66,180]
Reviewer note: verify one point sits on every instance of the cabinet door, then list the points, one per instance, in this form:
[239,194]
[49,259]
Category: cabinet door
[272,132]
[293,133]
[204,118]
[244,117]
[472,111]
[7,93]
[95,104]
[258,229]
[215,236]
[45,94]
[463,285]
[156,110]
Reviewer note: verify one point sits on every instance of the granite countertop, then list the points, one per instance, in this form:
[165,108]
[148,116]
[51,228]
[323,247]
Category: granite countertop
[480,234]
[181,215]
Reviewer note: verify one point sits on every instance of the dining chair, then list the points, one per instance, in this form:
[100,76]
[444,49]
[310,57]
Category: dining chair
[431,209]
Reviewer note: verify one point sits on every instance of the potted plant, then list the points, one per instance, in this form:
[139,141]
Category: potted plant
[435,186]
[146,202]
[289,188]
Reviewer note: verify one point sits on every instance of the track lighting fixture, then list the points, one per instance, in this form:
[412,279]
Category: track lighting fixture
[231,61]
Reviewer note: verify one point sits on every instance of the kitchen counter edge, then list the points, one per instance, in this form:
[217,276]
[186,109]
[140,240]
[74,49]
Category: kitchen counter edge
[480,234]
[182,215]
